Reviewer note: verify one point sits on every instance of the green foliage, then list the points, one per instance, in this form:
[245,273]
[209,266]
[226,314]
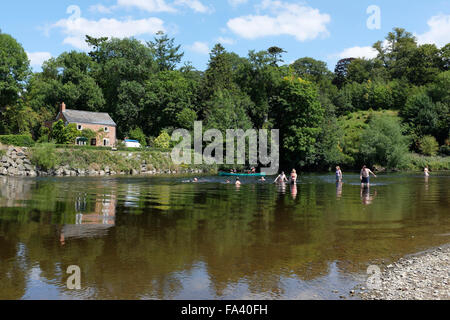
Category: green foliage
[298,112]
[44,156]
[88,134]
[166,54]
[428,146]
[426,117]
[138,134]
[383,143]
[64,134]
[162,141]
[17,140]
[14,70]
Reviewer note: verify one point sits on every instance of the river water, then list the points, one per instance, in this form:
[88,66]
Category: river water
[169,238]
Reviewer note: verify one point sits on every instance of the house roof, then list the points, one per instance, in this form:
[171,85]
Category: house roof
[78,116]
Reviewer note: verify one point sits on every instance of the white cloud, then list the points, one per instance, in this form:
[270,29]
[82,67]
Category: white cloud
[300,21]
[439,32]
[235,3]
[357,52]
[147,5]
[199,47]
[76,28]
[100,9]
[223,40]
[38,58]
[195,5]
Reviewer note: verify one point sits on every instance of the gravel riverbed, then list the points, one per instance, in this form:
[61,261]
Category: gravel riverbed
[425,276]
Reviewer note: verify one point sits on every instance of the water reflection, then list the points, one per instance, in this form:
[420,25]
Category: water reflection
[161,238]
[90,223]
[366,197]
[338,190]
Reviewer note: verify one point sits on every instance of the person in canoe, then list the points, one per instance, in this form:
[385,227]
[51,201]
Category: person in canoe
[281,178]
[365,175]
[293,176]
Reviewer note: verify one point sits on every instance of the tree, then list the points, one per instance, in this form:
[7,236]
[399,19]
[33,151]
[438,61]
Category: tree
[167,95]
[64,134]
[228,110]
[167,55]
[14,70]
[397,51]
[312,69]
[298,113]
[383,143]
[424,64]
[275,55]
[341,71]
[425,117]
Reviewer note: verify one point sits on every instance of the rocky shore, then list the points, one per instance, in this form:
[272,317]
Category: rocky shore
[425,276]
[16,161]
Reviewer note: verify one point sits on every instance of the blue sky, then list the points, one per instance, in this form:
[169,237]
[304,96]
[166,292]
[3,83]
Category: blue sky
[322,29]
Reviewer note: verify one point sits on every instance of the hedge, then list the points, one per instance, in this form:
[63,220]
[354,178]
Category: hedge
[17,140]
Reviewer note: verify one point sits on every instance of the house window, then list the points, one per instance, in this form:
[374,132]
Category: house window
[79,127]
[93,142]
[81,141]
[106,129]
[105,142]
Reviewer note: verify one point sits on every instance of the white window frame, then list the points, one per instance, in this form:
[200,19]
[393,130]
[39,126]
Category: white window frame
[106,129]
[77,142]
[80,127]
[106,140]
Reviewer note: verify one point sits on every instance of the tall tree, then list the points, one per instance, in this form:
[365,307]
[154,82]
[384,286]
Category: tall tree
[14,70]
[167,54]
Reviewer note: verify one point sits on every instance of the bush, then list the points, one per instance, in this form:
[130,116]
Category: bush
[163,141]
[428,146]
[44,156]
[17,140]
[383,143]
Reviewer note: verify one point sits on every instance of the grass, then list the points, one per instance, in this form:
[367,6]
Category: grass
[48,156]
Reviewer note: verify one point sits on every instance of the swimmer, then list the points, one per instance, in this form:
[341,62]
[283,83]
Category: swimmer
[238,182]
[426,171]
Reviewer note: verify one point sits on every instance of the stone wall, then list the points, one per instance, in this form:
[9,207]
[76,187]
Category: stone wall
[16,163]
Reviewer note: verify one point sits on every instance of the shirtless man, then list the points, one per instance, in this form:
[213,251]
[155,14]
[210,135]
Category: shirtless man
[281,178]
[365,175]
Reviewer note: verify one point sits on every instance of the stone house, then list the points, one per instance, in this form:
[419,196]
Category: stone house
[99,122]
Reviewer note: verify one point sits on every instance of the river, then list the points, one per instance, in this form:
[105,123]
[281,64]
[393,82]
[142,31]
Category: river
[169,238]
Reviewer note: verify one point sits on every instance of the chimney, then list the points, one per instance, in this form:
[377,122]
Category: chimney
[63,107]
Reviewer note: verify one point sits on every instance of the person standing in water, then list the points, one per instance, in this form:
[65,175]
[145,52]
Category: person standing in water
[426,171]
[364,176]
[238,182]
[293,176]
[338,174]
[281,178]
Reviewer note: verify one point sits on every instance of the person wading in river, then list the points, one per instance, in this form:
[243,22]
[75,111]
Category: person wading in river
[365,175]
[293,176]
[281,178]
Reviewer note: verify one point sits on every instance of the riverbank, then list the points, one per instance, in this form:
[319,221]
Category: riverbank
[49,161]
[423,276]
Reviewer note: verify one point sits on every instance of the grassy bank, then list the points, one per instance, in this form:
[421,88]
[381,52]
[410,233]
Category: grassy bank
[48,156]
